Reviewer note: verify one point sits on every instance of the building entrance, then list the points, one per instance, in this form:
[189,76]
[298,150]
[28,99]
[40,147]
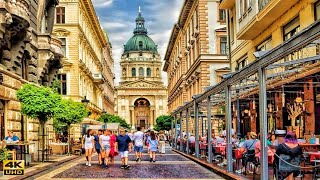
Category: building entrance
[142,113]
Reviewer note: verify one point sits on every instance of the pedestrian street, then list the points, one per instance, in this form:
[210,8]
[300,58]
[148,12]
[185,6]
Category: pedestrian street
[168,166]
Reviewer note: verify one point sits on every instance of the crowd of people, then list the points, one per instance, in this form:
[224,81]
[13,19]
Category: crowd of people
[108,145]
[249,147]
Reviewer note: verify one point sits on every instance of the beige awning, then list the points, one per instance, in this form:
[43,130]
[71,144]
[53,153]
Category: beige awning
[91,121]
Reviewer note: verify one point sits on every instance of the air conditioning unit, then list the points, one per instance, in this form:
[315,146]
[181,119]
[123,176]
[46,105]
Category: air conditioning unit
[97,78]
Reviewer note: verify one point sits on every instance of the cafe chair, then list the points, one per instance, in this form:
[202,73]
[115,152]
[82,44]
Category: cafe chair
[13,155]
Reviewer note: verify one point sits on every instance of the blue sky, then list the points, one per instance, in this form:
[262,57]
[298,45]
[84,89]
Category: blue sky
[117,17]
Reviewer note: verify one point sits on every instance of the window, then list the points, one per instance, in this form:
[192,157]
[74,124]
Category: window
[222,15]
[141,73]
[133,72]
[317,10]
[63,46]
[140,44]
[291,28]
[60,15]
[231,30]
[24,67]
[223,45]
[148,72]
[265,45]
[242,63]
[63,84]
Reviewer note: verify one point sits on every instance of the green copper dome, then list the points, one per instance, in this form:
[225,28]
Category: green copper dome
[140,40]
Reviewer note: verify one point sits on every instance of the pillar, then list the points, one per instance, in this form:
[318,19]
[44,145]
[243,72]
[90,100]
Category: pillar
[133,119]
[279,110]
[263,123]
[309,106]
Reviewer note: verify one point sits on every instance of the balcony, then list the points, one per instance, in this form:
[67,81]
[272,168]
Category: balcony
[17,8]
[98,78]
[227,4]
[55,47]
[265,13]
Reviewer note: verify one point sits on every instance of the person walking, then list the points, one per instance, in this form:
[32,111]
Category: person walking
[105,147]
[138,143]
[113,153]
[88,145]
[146,136]
[162,142]
[97,145]
[123,145]
[153,146]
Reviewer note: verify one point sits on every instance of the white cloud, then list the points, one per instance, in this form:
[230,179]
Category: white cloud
[102,3]
[115,25]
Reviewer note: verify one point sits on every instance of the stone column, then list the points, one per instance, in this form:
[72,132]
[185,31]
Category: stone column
[133,119]
[309,107]
[151,118]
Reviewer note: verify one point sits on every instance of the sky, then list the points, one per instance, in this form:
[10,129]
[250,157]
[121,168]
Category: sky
[117,17]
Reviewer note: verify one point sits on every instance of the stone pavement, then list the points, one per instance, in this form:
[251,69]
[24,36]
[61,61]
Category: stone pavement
[168,166]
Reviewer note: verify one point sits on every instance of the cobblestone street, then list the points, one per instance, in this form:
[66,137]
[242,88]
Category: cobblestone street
[168,166]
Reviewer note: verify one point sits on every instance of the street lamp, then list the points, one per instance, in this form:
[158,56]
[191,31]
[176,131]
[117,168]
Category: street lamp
[85,101]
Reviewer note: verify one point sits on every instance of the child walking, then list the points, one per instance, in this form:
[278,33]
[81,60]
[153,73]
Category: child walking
[153,146]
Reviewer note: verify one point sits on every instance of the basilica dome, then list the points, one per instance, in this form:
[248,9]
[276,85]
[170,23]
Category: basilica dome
[140,41]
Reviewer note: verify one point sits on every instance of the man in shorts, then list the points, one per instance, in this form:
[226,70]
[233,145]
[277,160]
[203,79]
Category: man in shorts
[123,145]
[138,143]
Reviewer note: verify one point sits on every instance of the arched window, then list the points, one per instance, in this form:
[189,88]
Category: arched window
[141,73]
[140,44]
[148,72]
[133,72]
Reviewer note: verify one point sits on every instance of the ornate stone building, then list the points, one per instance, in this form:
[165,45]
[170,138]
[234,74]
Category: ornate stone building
[29,53]
[88,65]
[141,96]
[196,56]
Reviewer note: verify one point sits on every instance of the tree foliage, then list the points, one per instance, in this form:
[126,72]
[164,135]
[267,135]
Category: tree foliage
[110,118]
[38,102]
[163,123]
[69,112]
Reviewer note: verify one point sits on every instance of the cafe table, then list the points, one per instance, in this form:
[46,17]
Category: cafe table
[310,147]
[59,148]
[23,151]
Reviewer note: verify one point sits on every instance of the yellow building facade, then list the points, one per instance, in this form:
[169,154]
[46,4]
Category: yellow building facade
[196,56]
[87,71]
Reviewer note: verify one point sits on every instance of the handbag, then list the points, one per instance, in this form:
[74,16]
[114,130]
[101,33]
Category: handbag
[250,153]
[285,162]
[83,151]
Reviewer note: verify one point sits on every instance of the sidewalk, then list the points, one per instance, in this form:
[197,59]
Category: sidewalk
[38,167]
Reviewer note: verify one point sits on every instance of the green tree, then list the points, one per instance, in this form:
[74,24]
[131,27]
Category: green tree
[163,123]
[110,118]
[38,103]
[69,112]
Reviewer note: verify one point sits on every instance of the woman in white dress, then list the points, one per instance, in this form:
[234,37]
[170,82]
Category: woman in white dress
[105,146]
[88,145]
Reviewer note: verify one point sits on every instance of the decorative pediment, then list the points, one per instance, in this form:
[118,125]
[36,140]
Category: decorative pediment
[60,32]
[141,84]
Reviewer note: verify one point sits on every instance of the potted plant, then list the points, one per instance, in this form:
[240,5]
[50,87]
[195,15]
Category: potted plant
[3,156]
